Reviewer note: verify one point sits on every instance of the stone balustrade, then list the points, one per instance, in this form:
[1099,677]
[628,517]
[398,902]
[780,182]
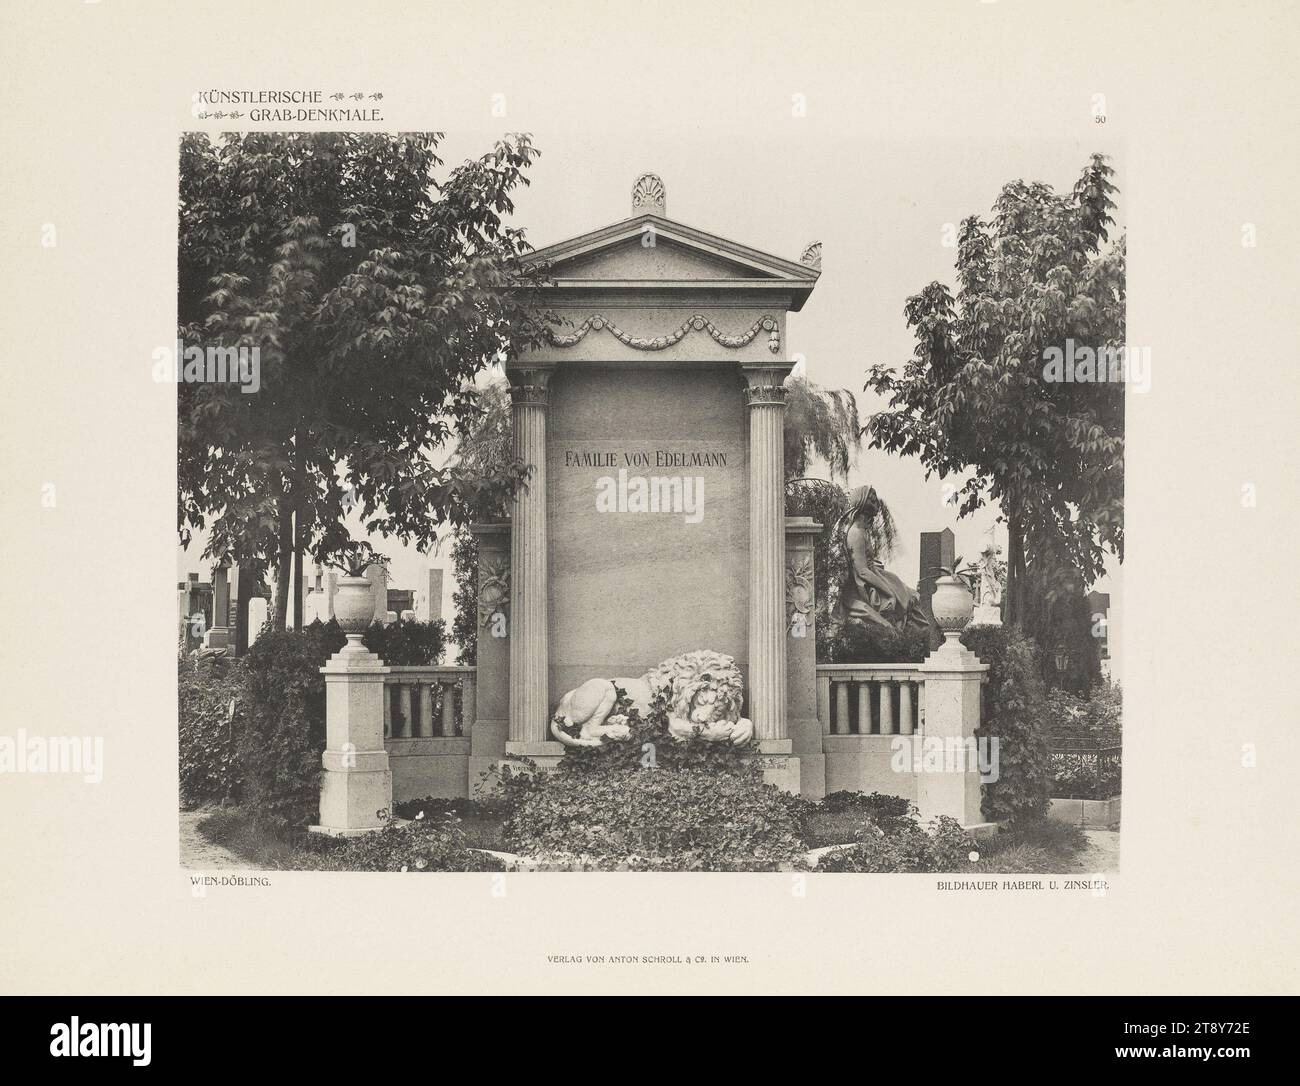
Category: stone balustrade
[429,717]
[870,699]
[423,702]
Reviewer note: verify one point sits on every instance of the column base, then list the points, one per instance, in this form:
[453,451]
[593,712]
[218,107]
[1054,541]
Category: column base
[806,740]
[218,638]
[545,754]
[779,764]
[351,800]
[542,758]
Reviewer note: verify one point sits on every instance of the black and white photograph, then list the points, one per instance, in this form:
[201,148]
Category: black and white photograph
[694,482]
[706,610]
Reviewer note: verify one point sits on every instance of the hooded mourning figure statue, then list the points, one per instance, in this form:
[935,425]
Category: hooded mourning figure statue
[870,594]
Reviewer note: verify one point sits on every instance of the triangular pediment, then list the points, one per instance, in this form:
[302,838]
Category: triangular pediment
[649,249]
[665,260]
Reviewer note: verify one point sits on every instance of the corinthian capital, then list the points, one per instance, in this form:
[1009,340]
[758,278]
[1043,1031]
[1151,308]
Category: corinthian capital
[530,384]
[765,382]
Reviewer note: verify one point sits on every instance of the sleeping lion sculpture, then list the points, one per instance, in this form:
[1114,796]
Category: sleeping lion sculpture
[704,700]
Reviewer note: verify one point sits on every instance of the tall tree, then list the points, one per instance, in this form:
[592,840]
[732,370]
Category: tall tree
[373,293]
[981,393]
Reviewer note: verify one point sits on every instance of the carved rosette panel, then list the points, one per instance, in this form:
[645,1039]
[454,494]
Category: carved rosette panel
[697,323]
[798,589]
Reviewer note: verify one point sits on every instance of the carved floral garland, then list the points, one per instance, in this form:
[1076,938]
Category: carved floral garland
[696,323]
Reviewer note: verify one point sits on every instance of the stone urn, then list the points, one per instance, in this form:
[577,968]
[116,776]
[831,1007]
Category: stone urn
[952,604]
[354,606]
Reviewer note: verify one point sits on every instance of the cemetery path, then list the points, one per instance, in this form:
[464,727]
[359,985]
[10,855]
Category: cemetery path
[200,854]
[1100,854]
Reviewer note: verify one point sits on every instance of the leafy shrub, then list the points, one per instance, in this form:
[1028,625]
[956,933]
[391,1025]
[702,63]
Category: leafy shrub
[440,809]
[210,769]
[1019,860]
[1015,708]
[406,644]
[479,820]
[1050,834]
[853,643]
[676,819]
[843,817]
[1078,777]
[904,845]
[280,747]
[1100,714]
[877,805]
[422,845]
[1036,846]
[464,626]
[652,802]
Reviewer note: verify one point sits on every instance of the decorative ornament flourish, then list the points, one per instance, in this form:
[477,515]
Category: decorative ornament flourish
[649,195]
[697,323]
[798,591]
[811,257]
[493,590]
[758,395]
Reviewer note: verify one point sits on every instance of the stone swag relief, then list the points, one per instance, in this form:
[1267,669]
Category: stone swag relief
[658,481]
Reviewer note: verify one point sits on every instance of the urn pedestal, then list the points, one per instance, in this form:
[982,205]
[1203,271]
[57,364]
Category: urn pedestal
[953,675]
[357,787]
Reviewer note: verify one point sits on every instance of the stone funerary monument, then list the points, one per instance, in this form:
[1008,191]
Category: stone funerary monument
[653,524]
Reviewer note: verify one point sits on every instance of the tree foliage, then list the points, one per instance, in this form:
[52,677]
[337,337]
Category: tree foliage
[374,294]
[973,397]
[484,452]
[820,422]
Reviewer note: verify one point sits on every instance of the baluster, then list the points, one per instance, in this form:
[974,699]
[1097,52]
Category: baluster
[404,708]
[905,707]
[426,709]
[864,706]
[467,703]
[824,703]
[448,710]
[841,708]
[886,707]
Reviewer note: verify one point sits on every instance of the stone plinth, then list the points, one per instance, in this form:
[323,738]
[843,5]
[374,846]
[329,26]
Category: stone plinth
[357,787]
[780,765]
[218,636]
[953,675]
